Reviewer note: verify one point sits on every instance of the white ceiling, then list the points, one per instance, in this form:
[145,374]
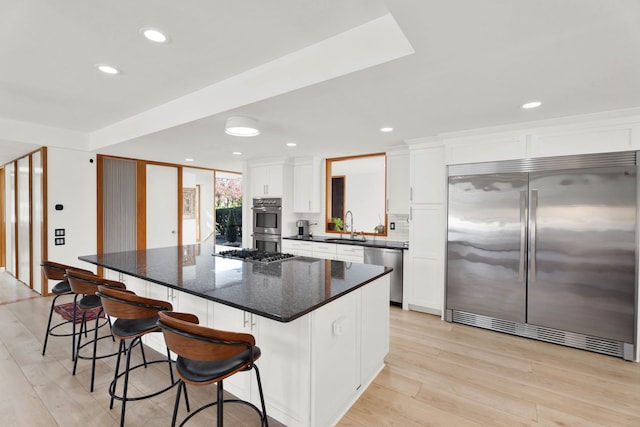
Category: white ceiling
[324,74]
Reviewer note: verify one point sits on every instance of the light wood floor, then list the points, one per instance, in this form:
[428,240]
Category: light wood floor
[437,373]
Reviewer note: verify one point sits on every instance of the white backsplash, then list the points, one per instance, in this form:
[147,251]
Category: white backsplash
[400,234]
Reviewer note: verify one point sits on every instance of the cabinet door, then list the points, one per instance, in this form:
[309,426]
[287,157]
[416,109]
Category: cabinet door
[187,303]
[267,180]
[306,188]
[162,293]
[259,178]
[427,253]
[336,356]
[427,175]
[274,182]
[374,325]
[231,319]
[286,379]
[398,183]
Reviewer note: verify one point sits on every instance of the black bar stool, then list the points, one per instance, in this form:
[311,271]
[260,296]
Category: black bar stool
[136,317]
[207,356]
[86,286]
[56,271]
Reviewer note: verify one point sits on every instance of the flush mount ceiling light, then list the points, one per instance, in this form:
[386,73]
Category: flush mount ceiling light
[154,35]
[236,153]
[386,129]
[107,69]
[529,105]
[291,144]
[241,126]
[188,159]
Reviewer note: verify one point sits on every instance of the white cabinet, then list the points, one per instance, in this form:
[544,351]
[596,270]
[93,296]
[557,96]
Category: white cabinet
[297,247]
[336,360]
[324,250]
[426,265]
[306,186]
[427,175]
[286,349]
[312,368]
[232,319]
[427,229]
[351,253]
[398,183]
[267,180]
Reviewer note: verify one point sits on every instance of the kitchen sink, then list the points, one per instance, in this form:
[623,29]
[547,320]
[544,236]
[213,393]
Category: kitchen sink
[345,241]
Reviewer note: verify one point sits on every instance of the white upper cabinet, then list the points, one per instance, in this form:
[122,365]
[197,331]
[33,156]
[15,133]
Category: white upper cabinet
[267,180]
[427,175]
[398,184]
[306,186]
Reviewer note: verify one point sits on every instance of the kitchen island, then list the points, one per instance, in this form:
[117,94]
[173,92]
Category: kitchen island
[322,325]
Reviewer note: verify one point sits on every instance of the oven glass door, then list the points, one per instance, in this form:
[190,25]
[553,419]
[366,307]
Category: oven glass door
[266,242]
[267,220]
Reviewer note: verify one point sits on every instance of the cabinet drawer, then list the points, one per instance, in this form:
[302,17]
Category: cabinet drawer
[324,250]
[302,246]
[350,250]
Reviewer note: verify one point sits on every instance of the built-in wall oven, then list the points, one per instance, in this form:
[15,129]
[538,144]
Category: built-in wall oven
[267,224]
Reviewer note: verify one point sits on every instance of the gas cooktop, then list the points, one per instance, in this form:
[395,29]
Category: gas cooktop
[255,255]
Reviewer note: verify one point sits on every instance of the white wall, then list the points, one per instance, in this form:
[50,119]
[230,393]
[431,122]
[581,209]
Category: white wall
[71,182]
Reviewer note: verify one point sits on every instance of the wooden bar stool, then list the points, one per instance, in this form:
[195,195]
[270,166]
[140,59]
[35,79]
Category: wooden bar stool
[86,286]
[136,317]
[207,356]
[56,271]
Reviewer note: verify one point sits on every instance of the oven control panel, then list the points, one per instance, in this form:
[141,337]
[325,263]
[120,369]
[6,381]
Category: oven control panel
[267,202]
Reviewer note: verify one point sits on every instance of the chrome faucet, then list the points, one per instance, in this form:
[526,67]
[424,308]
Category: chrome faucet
[350,223]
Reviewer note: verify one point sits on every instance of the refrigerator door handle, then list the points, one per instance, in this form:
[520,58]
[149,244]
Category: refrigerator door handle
[532,244]
[523,235]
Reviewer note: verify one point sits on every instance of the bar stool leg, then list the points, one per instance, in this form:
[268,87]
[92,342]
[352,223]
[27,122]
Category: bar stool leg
[95,347]
[264,420]
[46,335]
[82,328]
[220,404]
[112,387]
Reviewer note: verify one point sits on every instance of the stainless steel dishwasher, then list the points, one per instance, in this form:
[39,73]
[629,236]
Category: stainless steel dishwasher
[388,258]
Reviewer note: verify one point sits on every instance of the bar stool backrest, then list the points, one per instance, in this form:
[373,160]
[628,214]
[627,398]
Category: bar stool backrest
[127,305]
[187,339]
[56,271]
[87,283]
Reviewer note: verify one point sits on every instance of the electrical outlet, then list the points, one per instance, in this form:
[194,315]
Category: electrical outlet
[392,226]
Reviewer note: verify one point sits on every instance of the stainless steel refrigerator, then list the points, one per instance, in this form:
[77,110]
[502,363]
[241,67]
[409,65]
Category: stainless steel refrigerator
[546,249]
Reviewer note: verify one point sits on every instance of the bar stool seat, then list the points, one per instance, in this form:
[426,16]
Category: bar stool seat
[56,271]
[136,317]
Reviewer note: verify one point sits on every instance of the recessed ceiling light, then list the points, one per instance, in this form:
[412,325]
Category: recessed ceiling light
[291,144]
[188,160]
[386,129]
[533,104]
[107,69]
[154,35]
[236,153]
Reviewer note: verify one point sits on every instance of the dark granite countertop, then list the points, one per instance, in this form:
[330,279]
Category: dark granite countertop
[281,291]
[370,242]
